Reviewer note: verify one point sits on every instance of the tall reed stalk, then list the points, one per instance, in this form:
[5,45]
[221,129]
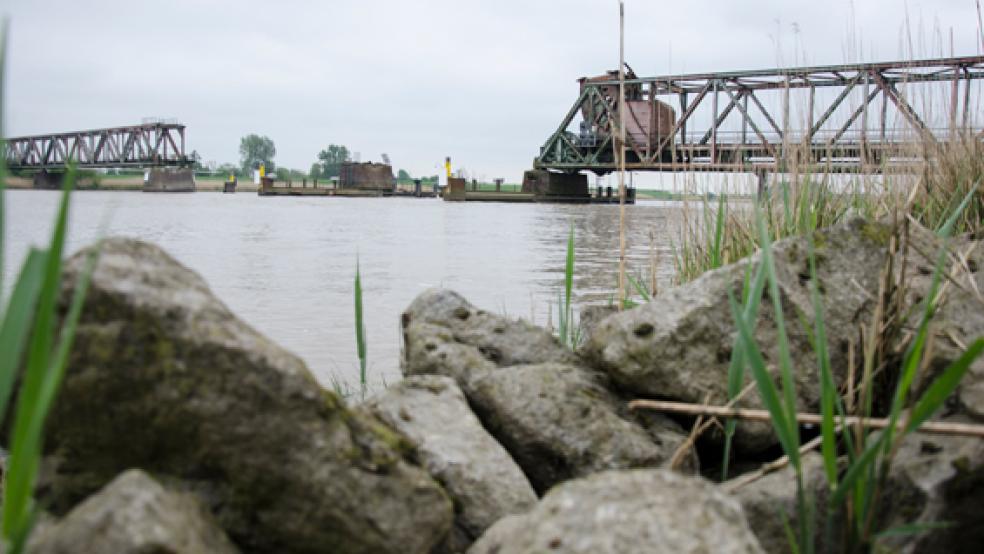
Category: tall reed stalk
[360,330]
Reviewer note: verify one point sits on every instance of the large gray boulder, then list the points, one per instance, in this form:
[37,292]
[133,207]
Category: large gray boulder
[134,514]
[482,480]
[679,345]
[165,378]
[558,418]
[626,512]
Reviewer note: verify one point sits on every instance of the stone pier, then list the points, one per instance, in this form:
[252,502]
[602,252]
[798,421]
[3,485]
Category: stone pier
[167,179]
[550,186]
[46,180]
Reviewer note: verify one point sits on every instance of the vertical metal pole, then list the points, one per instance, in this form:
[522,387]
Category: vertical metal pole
[810,116]
[884,116]
[621,154]
[864,117]
[966,105]
[714,128]
[954,89]
[785,118]
[683,110]
[744,121]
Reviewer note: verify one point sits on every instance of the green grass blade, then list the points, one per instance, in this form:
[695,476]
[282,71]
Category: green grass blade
[17,322]
[766,388]
[782,340]
[752,294]
[856,471]
[946,229]
[360,328]
[639,287]
[828,389]
[26,444]
[943,386]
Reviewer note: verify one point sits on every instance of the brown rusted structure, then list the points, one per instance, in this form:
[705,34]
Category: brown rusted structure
[367,176]
[870,117]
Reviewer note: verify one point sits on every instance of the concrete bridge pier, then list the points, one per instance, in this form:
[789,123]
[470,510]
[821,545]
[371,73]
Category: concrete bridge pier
[552,186]
[45,180]
[169,179]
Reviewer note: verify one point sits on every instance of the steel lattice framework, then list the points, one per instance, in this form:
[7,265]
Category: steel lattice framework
[834,134]
[149,145]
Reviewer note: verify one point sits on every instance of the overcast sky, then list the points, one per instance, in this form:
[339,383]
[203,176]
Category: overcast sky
[484,82]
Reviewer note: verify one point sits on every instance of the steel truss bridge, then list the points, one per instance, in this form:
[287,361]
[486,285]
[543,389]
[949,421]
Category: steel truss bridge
[742,120]
[156,144]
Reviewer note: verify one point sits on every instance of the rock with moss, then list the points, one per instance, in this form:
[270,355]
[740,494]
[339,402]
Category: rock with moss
[679,345]
[482,479]
[134,514]
[164,377]
[626,512]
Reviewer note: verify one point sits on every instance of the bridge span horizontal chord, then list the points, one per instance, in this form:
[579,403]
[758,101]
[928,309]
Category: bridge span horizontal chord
[149,145]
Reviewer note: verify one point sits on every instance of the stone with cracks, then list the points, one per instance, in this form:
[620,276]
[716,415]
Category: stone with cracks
[134,514]
[164,377]
[560,422]
[558,418]
[626,512]
[679,345]
[476,471]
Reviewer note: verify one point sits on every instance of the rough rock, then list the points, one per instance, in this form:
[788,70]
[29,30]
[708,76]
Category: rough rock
[134,514]
[560,422]
[626,512]
[678,346]
[165,378]
[445,335]
[959,320]
[763,500]
[484,483]
[558,418]
[936,479]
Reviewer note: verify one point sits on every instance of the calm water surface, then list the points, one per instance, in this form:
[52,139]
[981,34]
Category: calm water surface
[286,265]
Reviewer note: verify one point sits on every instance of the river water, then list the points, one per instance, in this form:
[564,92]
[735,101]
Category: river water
[287,265]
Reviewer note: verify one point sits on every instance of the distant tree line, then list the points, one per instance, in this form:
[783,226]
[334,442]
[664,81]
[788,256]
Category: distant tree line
[256,149]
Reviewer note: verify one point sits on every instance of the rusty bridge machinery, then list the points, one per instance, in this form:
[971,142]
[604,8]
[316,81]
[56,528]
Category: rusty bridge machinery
[151,144]
[872,117]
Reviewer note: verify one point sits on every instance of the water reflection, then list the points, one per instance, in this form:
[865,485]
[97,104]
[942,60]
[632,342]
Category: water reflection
[286,265]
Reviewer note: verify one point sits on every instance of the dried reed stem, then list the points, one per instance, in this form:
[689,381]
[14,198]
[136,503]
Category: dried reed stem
[686,408]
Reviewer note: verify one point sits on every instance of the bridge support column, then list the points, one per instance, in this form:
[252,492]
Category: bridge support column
[167,179]
[46,180]
[550,186]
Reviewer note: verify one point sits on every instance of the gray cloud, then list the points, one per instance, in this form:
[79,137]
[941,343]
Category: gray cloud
[482,81]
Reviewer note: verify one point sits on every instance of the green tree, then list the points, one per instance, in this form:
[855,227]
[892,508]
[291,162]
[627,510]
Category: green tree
[254,150]
[403,175]
[332,159]
[315,172]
